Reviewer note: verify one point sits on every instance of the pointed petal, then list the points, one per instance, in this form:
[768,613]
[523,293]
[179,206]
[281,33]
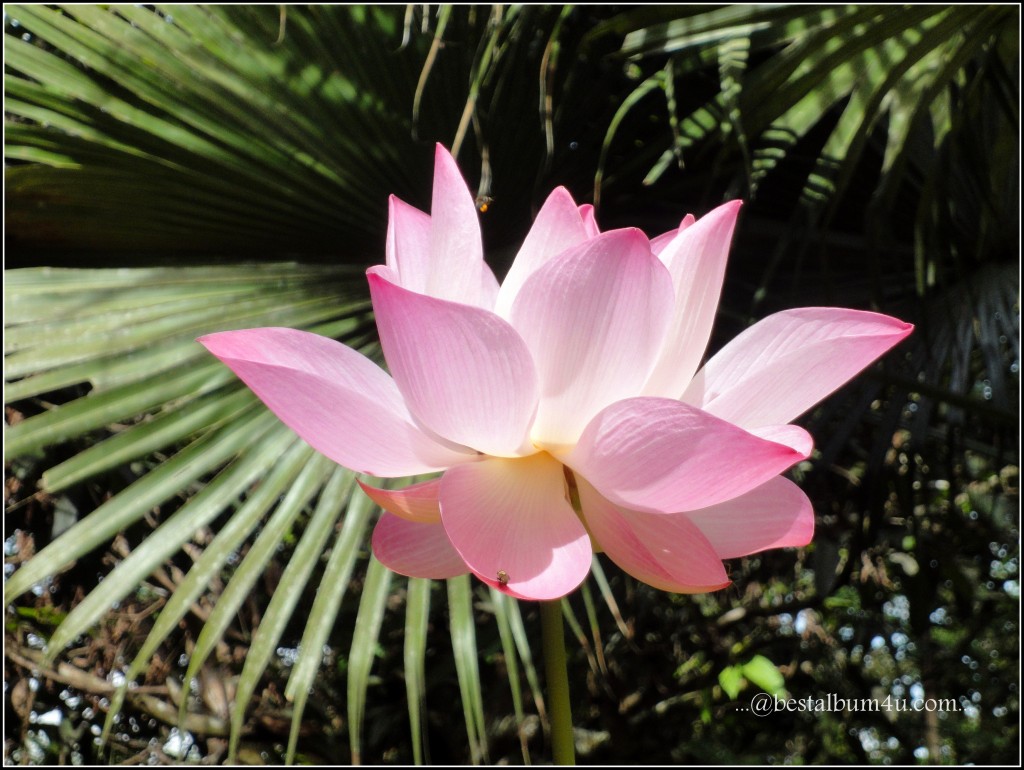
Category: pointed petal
[665,551]
[557,227]
[341,403]
[659,242]
[416,502]
[457,269]
[408,244]
[512,516]
[783,365]
[464,372]
[415,549]
[776,514]
[696,259]
[661,456]
[594,318]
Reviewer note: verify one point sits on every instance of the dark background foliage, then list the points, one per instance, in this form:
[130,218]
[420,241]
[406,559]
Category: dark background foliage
[248,153]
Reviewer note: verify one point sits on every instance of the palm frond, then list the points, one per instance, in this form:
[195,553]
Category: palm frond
[226,132]
[848,74]
[219,131]
[203,421]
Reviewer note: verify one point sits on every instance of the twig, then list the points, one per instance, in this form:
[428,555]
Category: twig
[144,698]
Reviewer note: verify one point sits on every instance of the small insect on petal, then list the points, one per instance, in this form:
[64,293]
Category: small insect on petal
[502,578]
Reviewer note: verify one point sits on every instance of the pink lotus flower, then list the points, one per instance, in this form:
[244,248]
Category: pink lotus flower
[574,382]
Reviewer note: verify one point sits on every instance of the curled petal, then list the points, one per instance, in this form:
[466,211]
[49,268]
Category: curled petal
[696,260]
[557,227]
[783,365]
[665,551]
[464,372]
[417,502]
[341,403]
[594,318]
[776,514]
[662,456]
[512,524]
[415,549]
[589,220]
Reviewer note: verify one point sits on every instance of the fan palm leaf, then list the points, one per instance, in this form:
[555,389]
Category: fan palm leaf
[220,131]
[226,132]
[858,75]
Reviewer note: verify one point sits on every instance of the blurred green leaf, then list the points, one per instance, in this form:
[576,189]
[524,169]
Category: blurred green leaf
[731,679]
[765,675]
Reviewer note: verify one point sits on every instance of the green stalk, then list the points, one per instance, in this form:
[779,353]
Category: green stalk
[559,707]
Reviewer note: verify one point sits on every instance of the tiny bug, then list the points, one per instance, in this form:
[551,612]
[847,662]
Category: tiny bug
[502,578]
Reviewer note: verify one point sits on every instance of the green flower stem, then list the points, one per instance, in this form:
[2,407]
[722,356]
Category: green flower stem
[559,708]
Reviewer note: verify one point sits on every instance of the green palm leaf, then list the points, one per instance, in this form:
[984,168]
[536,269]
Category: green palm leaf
[225,132]
[850,74]
[217,136]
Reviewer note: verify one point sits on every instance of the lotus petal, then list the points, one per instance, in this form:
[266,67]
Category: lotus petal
[341,403]
[783,365]
[511,522]
[776,514]
[696,259]
[415,549]
[416,502]
[464,372]
[663,456]
[594,319]
[666,551]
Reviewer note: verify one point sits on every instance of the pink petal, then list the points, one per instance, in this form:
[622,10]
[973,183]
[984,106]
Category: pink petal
[589,221]
[662,456]
[665,551]
[511,517]
[457,269]
[408,244]
[464,372]
[557,227]
[341,403]
[659,242]
[696,259]
[415,549]
[776,514]
[791,435]
[417,502]
[783,365]
[489,289]
[594,318]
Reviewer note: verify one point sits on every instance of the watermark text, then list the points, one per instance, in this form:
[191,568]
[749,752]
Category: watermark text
[763,704]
